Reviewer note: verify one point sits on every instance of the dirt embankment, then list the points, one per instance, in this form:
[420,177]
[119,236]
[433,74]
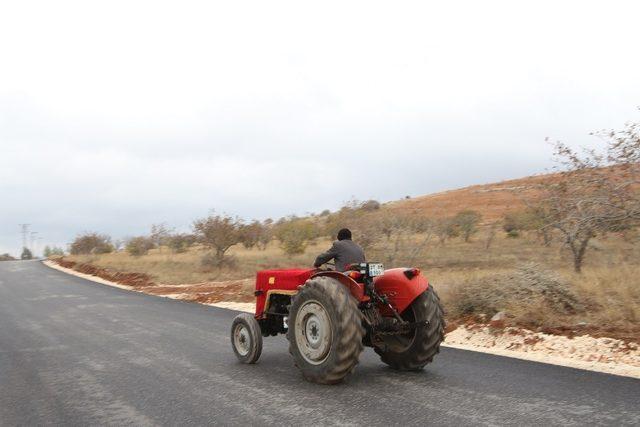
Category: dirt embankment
[134,280]
[205,293]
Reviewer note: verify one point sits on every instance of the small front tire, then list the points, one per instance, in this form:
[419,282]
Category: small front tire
[246,338]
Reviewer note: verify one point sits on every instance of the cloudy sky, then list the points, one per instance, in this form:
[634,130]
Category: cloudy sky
[115,115]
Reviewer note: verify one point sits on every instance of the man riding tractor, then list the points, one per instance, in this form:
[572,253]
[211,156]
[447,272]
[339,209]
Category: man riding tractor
[329,316]
[344,250]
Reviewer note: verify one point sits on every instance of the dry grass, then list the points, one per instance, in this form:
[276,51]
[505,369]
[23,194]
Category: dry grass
[614,294]
[608,289]
[174,269]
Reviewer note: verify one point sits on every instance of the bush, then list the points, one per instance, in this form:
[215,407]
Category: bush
[53,251]
[179,243]
[526,289]
[370,205]
[6,257]
[138,246]
[91,243]
[254,234]
[26,254]
[294,235]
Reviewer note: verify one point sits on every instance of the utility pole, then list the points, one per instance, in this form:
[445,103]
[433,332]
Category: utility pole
[25,232]
[33,242]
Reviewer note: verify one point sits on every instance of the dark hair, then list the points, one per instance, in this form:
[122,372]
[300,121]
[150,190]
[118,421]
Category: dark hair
[344,234]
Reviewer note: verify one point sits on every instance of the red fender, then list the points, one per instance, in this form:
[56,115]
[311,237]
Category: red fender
[356,289]
[399,289]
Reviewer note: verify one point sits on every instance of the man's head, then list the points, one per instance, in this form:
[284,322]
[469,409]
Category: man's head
[344,234]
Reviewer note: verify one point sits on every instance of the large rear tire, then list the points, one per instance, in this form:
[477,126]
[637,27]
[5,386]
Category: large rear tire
[325,331]
[414,350]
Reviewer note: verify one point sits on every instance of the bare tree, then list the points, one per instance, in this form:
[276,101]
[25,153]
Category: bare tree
[444,228]
[180,242]
[159,234]
[251,233]
[491,235]
[218,232]
[266,235]
[467,222]
[595,193]
[140,245]
[91,243]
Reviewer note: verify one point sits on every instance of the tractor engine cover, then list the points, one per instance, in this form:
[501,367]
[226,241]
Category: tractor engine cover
[278,281]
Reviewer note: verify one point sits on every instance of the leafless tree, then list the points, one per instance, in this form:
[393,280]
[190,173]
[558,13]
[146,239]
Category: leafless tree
[140,245]
[218,232]
[159,234]
[467,222]
[491,235]
[91,243]
[250,234]
[445,228]
[595,193]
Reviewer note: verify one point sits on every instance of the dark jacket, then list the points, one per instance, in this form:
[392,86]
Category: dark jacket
[344,252]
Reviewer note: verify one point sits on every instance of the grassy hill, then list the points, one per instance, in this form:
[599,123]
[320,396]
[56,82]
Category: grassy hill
[492,201]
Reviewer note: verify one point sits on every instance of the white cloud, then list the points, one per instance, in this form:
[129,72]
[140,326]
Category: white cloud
[115,115]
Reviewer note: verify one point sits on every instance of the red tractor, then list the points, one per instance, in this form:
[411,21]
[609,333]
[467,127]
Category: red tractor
[330,316]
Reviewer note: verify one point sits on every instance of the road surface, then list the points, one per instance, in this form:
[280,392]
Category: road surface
[74,352]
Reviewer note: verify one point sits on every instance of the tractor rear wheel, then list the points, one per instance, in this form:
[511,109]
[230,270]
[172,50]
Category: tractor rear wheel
[246,338]
[413,350]
[325,331]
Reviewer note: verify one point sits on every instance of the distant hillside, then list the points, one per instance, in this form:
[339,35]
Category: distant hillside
[491,200]
[6,257]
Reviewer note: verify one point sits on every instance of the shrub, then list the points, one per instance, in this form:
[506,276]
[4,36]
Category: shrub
[519,292]
[52,251]
[91,243]
[370,205]
[179,243]
[252,234]
[138,246]
[26,254]
[6,257]
[294,235]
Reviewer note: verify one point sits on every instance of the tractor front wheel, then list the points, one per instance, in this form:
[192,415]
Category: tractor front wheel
[325,331]
[413,350]
[246,338]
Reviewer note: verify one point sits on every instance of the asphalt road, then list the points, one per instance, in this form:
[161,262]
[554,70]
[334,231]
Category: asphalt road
[73,352]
